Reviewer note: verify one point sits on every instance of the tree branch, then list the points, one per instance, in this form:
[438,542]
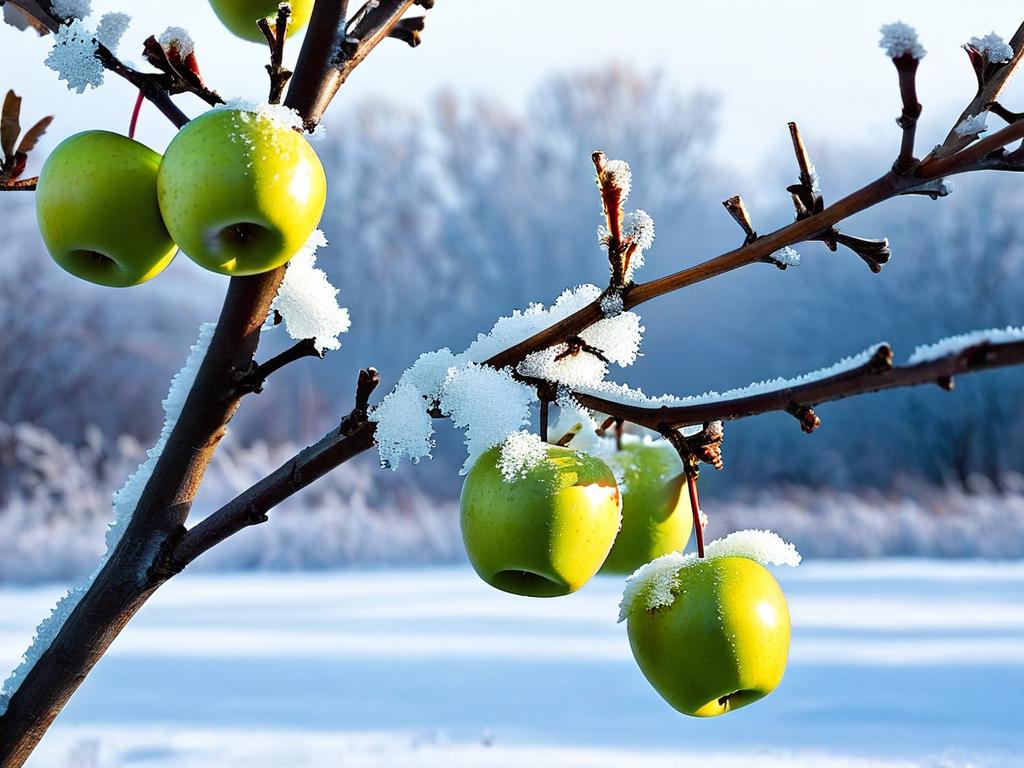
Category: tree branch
[873,376]
[19,185]
[253,379]
[276,36]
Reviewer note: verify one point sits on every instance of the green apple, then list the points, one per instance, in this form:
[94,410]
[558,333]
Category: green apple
[240,16]
[97,209]
[240,192]
[545,533]
[722,640]
[656,515]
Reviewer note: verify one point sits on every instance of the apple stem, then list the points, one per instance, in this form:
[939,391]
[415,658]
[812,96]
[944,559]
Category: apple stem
[544,403]
[135,114]
[698,527]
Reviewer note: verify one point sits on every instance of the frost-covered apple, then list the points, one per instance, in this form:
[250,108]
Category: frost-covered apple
[240,190]
[656,515]
[240,16]
[97,208]
[546,531]
[711,635]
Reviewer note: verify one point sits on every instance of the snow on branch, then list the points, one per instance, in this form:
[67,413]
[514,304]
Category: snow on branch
[125,502]
[992,47]
[899,39]
[308,302]
[952,345]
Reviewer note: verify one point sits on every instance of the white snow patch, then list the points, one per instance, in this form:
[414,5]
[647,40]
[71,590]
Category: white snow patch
[125,502]
[973,125]
[308,302]
[71,9]
[993,47]
[521,452]
[488,404]
[429,372]
[899,39]
[280,115]
[111,29]
[954,344]
[73,57]
[404,427]
[179,38]
[787,255]
[654,585]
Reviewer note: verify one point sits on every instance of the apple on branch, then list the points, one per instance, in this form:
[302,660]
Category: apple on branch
[711,634]
[656,515]
[241,190]
[240,16]
[97,208]
[541,528]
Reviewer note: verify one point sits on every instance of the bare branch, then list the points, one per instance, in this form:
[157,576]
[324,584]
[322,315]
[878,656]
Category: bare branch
[276,36]
[255,376]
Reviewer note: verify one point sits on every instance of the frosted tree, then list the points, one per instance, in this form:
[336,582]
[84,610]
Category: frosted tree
[503,388]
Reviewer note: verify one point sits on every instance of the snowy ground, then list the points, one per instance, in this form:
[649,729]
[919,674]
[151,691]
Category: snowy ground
[894,663]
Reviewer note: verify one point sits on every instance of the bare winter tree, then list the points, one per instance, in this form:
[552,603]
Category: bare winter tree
[152,543]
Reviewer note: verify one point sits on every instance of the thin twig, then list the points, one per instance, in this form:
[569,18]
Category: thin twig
[276,36]
[253,379]
[19,185]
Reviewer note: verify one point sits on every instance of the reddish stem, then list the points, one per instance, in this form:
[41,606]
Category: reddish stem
[698,528]
[135,115]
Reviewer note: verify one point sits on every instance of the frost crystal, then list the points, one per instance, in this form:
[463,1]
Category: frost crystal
[973,125]
[73,57]
[638,226]
[787,256]
[993,47]
[521,452]
[489,404]
[177,37]
[125,502]
[954,344]
[611,304]
[621,176]
[655,584]
[72,9]
[404,428]
[899,39]
[111,29]
[308,302]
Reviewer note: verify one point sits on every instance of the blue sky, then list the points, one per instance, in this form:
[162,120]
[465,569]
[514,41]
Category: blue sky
[807,60]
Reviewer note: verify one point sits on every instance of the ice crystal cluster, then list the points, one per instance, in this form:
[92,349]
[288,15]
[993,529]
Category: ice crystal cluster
[177,38]
[125,502]
[307,301]
[973,125]
[111,29]
[787,256]
[899,39]
[992,47]
[656,584]
[73,55]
